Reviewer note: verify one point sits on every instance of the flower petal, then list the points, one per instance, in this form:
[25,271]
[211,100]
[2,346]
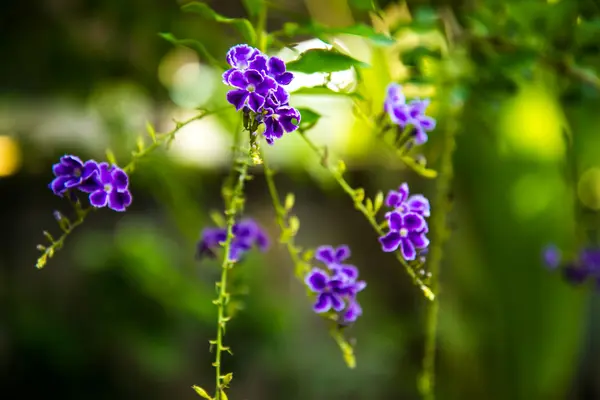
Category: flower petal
[276,66]
[419,204]
[342,253]
[390,242]
[420,137]
[256,102]
[99,199]
[323,303]
[419,240]
[236,78]
[58,185]
[226,75]
[285,79]
[71,161]
[413,222]
[237,98]
[551,256]
[60,169]
[352,313]
[325,254]
[395,221]
[427,123]
[104,173]
[317,280]
[407,249]
[337,303]
[118,200]
[120,179]
[259,63]
[89,168]
[253,77]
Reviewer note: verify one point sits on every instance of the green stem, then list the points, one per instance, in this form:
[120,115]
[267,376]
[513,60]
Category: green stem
[157,141]
[442,206]
[233,206]
[337,175]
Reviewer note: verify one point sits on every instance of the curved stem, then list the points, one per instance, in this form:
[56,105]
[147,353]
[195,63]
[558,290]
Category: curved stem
[337,175]
[157,141]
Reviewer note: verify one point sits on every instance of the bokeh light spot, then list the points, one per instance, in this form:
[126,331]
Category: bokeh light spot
[10,156]
[588,188]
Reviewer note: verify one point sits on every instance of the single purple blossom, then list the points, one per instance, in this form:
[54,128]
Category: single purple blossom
[70,173]
[421,122]
[279,121]
[551,256]
[329,291]
[352,312]
[246,234]
[402,202]
[252,88]
[407,232]
[394,98]
[110,186]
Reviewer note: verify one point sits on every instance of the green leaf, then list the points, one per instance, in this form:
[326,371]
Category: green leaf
[364,5]
[362,30]
[324,91]
[194,45]
[308,116]
[202,392]
[253,7]
[242,25]
[321,60]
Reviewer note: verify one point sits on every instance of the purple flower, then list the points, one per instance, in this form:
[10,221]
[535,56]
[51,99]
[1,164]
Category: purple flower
[407,232]
[279,121]
[252,88]
[71,173]
[336,290]
[413,113]
[401,202]
[420,121]
[551,256]
[276,69]
[110,186]
[247,234]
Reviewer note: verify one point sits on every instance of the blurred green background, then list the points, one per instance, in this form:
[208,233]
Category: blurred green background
[124,311]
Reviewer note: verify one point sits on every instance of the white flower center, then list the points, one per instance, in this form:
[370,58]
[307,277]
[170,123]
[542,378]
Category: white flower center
[403,232]
[107,187]
[250,88]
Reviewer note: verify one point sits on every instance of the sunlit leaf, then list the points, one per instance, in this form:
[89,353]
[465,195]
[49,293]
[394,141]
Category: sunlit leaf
[309,117]
[323,91]
[194,45]
[321,60]
[242,25]
[315,29]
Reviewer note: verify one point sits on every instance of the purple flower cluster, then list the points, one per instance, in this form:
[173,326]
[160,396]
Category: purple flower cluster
[585,267]
[406,222]
[413,113]
[336,288]
[258,87]
[106,185]
[247,233]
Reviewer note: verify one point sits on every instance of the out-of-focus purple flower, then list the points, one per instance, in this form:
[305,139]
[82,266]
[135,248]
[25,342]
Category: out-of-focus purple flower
[407,232]
[110,186]
[421,122]
[70,172]
[247,234]
[279,121]
[402,202]
[551,256]
[413,113]
[252,88]
[337,289]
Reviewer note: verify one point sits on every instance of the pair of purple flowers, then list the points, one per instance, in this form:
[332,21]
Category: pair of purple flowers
[406,222]
[585,267]
[247,234]
[412,113]
[258,82]
[336,288]
[106,185]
